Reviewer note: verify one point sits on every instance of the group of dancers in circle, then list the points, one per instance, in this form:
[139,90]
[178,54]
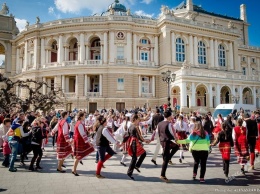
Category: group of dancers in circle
[78,136]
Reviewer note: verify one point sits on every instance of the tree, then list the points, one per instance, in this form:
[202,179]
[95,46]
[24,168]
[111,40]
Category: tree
[35,99]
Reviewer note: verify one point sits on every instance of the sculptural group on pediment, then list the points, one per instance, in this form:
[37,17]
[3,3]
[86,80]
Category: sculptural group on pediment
[165,10]
[4,10]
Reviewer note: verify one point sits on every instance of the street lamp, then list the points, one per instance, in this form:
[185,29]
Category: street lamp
[168,77]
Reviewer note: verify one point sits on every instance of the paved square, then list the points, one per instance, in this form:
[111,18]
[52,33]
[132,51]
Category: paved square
[48,181]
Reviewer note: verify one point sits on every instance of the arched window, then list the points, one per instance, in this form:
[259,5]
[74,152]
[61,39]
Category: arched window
[202,53]
[221,56]
[180,50]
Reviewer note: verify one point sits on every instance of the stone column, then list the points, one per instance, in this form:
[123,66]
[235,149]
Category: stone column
[235,51]
[112,47]
[138,54]
[240,95]
[231,55]
[42,52]
[101,53]
[216,53]
[193,95]
[173,38]
[218,95]
[129,47]
[87,51]
[196,62]
[63,83]
[18,60]
[35,53]
[212,61]
[100,84]
[82,48]
[47,56]
[26,55]
[44,86]
[66,53]
[210,96]
[152,56]
[156,50]
[191,49]
[60,50]
[183,95]
[254,96]
[140,86]
[105,47]
[249,73]
[86,85]
[77,85]
[134,49]
[154,86]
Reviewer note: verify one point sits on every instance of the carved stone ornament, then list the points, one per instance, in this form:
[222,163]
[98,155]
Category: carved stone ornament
[231,24]
[120,35]
[111,11]
[128,12]
[4,10]
[186,65]
[188,87]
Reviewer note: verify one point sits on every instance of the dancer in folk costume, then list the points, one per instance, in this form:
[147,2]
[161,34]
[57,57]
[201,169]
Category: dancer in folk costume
[4,127]
[89,124]
[257,147]
[82,146]
[103,137]
[252,135]
[241,144]
[166,135]
[182,129]
[217,128]
[120,134]
[64,143]
[225,141]
[135,148]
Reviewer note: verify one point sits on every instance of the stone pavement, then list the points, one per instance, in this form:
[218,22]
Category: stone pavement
[48,181]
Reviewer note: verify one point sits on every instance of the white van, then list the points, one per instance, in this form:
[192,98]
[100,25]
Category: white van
[226,109]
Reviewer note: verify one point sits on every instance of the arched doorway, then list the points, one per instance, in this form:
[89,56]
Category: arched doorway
[95,49]
[2,55]
[73,49]
[201,95]
[176,96]
[225,95]
[247,96]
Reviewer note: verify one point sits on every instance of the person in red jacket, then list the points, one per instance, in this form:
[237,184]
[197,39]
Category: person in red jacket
[257,147]
[82,147]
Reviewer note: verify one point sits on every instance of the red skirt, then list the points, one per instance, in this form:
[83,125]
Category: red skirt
[257,146]
[81,151]
[6,148]
[225,149]
[216,130]
[139,148]
[63,150]
[181,135]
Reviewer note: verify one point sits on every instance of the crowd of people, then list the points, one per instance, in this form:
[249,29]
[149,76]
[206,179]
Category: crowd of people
[76,134]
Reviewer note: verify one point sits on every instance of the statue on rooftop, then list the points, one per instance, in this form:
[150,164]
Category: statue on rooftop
[4,10]
[231,24]
[111,11]
[37,20]
[165,10]
[128,12]
[27,24]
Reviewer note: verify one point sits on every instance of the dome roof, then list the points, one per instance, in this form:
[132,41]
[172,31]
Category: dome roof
[116,6]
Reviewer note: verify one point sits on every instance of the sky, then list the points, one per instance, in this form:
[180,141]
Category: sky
[48,10]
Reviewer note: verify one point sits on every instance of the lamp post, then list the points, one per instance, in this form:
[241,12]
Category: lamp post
[168,77]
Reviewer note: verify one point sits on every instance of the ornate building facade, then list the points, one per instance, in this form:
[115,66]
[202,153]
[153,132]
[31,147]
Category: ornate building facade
[115,59]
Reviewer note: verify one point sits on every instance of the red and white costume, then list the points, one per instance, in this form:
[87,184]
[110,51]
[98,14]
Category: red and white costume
[82,148]
[64,148]
[257,147]
[217,128]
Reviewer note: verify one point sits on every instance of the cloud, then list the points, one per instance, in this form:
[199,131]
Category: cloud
[146,1]
[20,23]
[76,6]
[51,11]
[142,13]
